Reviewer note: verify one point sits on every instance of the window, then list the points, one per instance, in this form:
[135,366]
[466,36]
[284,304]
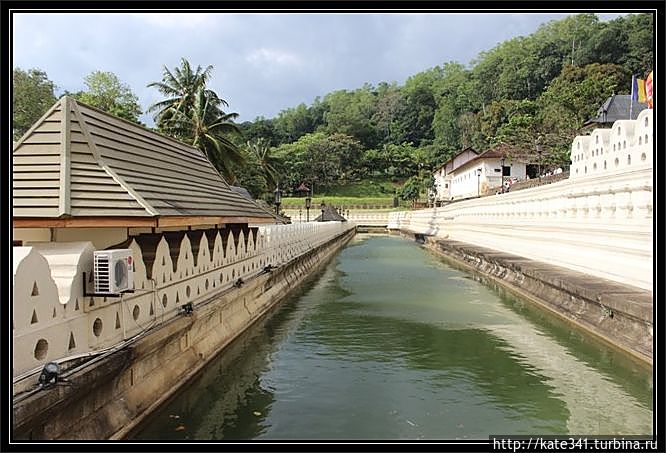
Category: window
[506,170]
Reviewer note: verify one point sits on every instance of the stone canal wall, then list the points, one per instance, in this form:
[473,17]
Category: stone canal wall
[148,345]
[619,314]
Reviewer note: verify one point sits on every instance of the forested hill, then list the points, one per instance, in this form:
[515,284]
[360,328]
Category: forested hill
[542,85]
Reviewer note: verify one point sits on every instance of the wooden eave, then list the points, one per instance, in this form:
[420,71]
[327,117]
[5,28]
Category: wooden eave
[127,222]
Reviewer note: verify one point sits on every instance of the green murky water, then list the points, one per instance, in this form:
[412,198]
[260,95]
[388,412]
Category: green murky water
[389,342]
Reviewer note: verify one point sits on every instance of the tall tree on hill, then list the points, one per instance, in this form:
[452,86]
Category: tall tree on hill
[32,95]
[107,92]
[293,123]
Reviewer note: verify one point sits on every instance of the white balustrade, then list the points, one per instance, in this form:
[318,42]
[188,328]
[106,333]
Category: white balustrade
[53,319]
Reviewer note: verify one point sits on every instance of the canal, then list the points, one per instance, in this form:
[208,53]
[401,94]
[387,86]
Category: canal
[390,342]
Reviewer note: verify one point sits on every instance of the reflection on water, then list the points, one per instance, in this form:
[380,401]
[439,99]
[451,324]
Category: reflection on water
[391,343]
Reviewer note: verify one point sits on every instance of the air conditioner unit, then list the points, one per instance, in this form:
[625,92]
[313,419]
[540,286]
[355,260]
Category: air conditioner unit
[113,271]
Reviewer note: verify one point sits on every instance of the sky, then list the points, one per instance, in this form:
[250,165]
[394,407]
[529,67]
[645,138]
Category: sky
[263,63]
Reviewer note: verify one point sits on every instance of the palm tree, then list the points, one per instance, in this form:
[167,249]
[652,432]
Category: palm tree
[180,87]
[193,114]
[262,151]
[206,128]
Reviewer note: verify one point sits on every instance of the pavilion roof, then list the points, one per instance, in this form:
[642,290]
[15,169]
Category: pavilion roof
[78,161]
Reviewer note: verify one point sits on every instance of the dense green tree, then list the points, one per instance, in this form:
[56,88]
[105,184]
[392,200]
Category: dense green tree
[319,158]
[639,58]
[293,123]
[250,175]
[387,111]
[260,128]
[418,108]
[107,92]
[573,97]
[411,190]
[415,186]
[351,113]
[32,95]
[608,45]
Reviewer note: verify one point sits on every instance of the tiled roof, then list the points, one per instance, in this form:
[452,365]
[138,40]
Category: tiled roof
[330,215]
[617,107]
[80,161]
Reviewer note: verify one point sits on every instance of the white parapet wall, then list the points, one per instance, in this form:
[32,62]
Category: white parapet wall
[370,217]
[599,221]
[53,320]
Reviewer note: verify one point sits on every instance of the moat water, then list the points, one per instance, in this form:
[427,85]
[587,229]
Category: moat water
[390,342]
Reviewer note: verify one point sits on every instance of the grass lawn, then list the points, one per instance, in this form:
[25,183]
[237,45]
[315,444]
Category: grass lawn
[370,194]
[298,202]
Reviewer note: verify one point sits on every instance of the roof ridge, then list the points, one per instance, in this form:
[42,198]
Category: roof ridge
[98,158]
[132,123]
[131,191]
[37,123]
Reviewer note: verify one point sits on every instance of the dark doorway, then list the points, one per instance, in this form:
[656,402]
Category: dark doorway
[532,170]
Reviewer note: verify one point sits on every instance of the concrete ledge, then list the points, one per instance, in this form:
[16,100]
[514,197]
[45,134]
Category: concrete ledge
[620,314]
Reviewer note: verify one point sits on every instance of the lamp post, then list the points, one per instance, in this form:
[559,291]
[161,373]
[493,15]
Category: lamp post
[308,205]
[278,199]
[478,182]
[502,172]
[539,150]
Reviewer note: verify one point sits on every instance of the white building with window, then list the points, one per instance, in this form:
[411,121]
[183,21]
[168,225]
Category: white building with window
[470,174]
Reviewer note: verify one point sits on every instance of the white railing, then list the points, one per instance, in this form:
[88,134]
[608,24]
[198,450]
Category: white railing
[360,217]
[54,320]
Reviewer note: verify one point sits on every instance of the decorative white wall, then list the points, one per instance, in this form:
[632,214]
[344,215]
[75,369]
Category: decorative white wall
[56,321]
[626,146]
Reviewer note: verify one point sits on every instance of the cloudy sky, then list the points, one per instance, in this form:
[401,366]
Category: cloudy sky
[263,63]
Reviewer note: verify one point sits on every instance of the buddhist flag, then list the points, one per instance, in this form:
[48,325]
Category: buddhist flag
[638,89]
[648,90]
[641,91]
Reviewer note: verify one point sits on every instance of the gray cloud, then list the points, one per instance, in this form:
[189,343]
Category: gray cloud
[263,62]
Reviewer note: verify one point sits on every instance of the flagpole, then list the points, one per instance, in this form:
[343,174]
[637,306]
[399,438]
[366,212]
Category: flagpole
[631,100]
